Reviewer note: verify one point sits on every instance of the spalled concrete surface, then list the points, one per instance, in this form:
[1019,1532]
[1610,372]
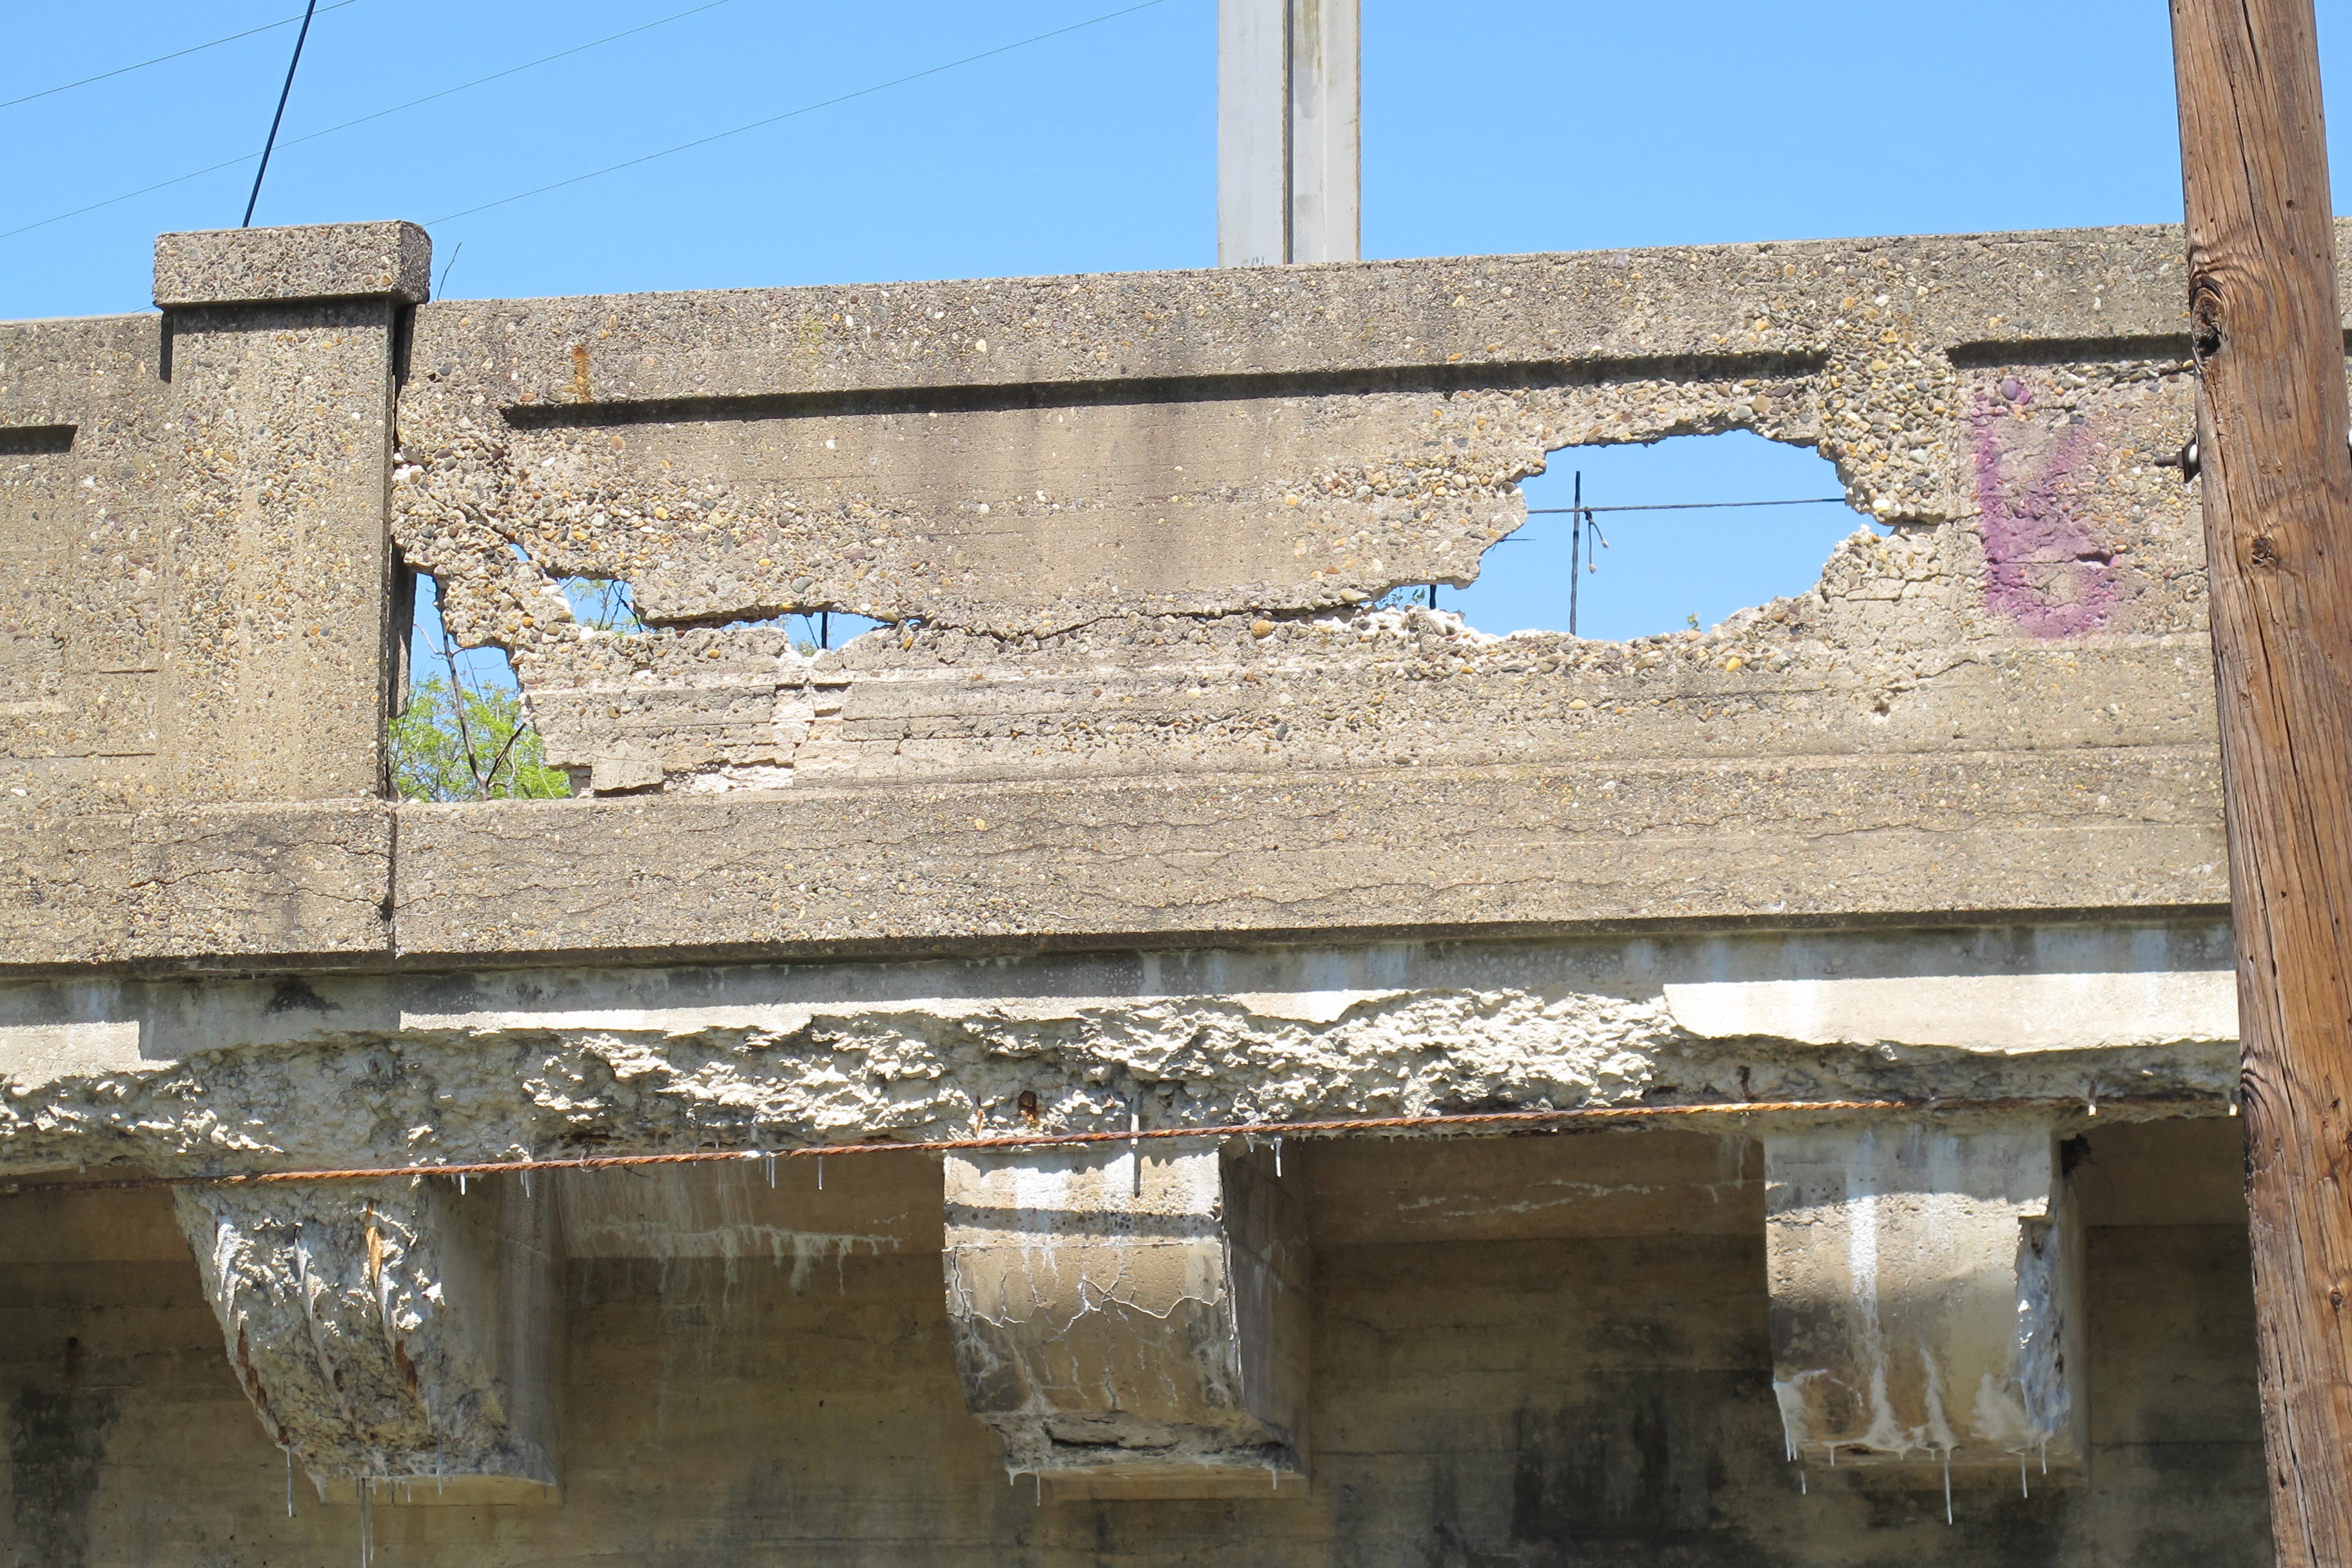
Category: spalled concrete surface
[1848,343]
[561,427]
[1164,618]
[1126,530]
[181,1076]
[390,1331]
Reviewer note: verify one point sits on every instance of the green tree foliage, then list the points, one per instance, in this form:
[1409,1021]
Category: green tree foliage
[464,737]
[466,743]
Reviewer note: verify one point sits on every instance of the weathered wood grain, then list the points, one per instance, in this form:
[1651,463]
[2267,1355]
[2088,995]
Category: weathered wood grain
[2278,528]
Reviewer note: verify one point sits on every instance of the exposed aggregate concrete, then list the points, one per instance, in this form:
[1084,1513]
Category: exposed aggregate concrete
[423,1095]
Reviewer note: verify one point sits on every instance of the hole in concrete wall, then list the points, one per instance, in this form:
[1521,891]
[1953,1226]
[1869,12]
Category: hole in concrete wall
[1661,571]
[464,733]
[812,632]
[825,631]
[606,604]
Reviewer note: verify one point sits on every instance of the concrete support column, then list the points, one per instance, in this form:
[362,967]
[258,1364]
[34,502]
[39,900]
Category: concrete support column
[279,346]
[392,1330]
[1133,1324]
[1926,1295]
[1289,161]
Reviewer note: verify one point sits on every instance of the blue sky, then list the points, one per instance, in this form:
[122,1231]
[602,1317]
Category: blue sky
[1494,127]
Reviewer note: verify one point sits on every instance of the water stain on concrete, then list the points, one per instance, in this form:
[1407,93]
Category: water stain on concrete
[56,1440]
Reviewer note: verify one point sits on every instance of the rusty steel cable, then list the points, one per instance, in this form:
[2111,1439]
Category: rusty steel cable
[1253,1130]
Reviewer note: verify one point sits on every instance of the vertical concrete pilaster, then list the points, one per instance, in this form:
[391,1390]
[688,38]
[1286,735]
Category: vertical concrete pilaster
[280,346]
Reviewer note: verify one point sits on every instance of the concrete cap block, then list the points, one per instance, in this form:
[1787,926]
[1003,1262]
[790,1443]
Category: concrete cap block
[1132,1324]
[1927,1305]
[314,261]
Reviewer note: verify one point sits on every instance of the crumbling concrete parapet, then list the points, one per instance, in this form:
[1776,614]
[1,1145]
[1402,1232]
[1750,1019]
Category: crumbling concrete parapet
[392,1330]
[2002,705]
[1132,1323]
[1926,1300]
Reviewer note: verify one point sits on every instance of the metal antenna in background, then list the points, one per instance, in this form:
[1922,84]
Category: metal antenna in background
[1575,547]
[283,94]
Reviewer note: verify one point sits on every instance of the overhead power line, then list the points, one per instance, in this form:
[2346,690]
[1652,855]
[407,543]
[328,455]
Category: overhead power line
[793,113]
[1689,505]
[159,59]
[377,114]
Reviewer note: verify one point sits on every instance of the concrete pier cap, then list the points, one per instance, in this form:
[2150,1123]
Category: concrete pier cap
[1926,1288]
[1133,1321]
[395,1331]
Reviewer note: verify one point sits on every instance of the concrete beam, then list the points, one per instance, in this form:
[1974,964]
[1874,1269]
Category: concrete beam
[1148,861]
[1132,1324]
[1926,1295]
[392,1330]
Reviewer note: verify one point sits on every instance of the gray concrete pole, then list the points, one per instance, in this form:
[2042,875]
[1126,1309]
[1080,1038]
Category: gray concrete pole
[1326,119]
[1288,111]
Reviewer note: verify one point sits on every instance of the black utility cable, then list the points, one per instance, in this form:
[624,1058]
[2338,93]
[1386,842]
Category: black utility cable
[283,94]
[793,113]
[363,119]
[1690,506]
[1575,547]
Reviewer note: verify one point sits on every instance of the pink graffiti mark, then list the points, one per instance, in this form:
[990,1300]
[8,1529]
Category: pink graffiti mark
[2043,570]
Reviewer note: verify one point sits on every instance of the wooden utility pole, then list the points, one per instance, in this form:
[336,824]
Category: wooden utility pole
[2272,427]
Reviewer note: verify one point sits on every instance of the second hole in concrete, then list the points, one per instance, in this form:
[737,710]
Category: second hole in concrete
[1662,571]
